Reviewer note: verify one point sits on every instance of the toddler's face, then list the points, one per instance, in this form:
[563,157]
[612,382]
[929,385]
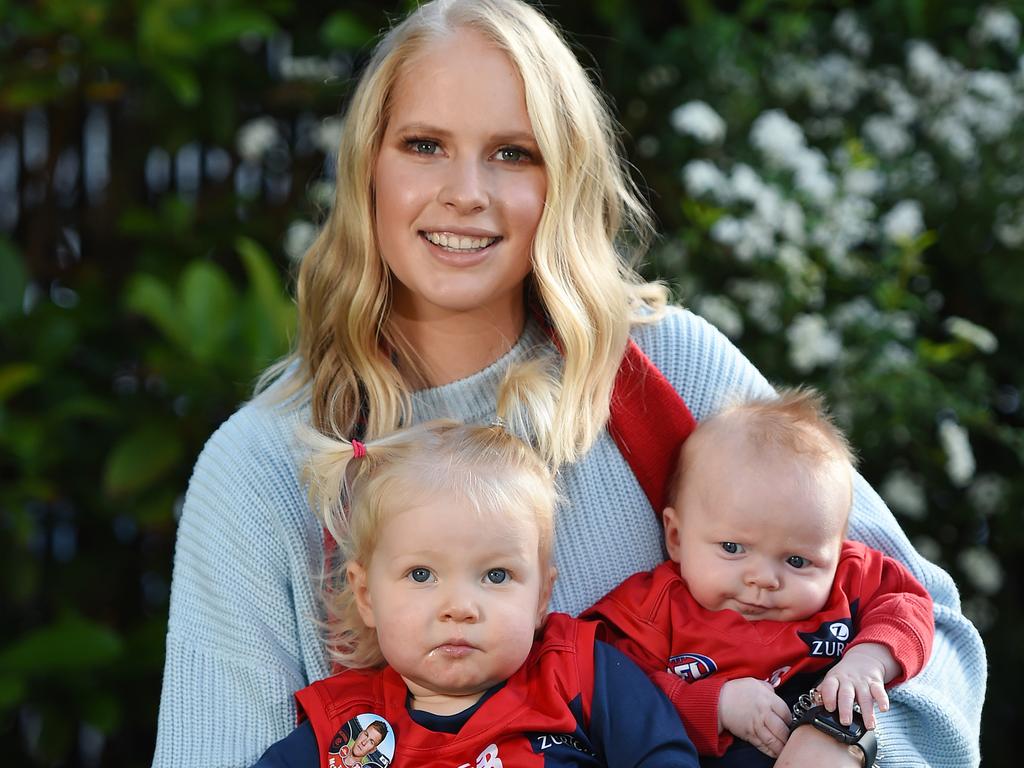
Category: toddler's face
[455,595]
[758,536]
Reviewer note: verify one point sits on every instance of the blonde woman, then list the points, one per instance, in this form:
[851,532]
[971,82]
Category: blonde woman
[480,213]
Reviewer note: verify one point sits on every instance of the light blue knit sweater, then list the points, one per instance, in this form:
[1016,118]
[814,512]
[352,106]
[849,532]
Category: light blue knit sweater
[243,632]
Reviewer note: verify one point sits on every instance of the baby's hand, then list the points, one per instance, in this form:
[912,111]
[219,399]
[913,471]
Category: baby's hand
[860,675]
[750,709]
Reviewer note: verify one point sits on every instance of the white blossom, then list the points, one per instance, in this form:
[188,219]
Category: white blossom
[1009,225]
[954,133]
[256,137]
[851,33]
[894,357]
[812,176]
[863,182]
[996,25]
[793,224]
[929,69]
[980,337]
[981,569]
[894,95]
[702,177]
[904,222]
[327,135]
[858,311]
[697,119]
[777,137]
[745,183]
[987,493]
[959,456]
[903,492]
[297,239]
[843,83]
[762,301]
[990,104]
[722,314]
[887,136]
[811,343]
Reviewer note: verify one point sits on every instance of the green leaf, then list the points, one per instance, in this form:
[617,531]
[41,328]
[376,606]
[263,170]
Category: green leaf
[208,302]
[68,645]
[150,298]
[12,690]
[103,711]
[182,82]
[228,26]
[141,458]
[269,313]
[343,30]
[15,377]
[13,280]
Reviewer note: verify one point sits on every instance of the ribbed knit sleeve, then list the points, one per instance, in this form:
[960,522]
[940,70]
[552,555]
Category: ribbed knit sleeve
[935,717]
[242,634]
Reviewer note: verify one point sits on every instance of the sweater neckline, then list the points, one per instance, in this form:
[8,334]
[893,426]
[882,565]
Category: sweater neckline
[472,398]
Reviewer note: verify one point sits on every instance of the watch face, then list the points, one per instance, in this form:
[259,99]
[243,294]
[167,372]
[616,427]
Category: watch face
[848,734]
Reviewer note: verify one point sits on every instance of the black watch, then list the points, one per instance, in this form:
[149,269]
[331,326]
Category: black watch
[809,710]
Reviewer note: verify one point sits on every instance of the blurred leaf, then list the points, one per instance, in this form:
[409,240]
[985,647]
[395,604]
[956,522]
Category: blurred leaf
[227,26]
[182,82]
[68,645]
[140,458]
[269,314]
[12,691]
[343,30]
[208,303]
[15,377]
[30,91]
[13,280]
[152,299]
[103,711]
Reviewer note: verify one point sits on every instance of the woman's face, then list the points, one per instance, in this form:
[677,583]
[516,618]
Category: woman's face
[459,183]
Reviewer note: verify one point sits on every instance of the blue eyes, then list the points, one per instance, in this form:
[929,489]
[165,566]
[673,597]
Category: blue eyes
[510,154]
[794,561]
[493,576]
[419,575]
[497,576]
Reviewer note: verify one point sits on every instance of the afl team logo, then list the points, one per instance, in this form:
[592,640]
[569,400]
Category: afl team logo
[692,666]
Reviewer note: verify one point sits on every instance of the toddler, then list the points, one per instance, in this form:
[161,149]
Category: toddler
[442,620]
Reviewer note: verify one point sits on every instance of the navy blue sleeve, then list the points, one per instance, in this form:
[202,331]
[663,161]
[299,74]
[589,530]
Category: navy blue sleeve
[632,723]
[296,750]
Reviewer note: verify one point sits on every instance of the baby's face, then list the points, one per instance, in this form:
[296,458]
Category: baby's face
[757,536]
[456,597]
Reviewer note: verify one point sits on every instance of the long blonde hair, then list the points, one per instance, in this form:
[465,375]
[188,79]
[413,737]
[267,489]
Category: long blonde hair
[583,286]
[495,472]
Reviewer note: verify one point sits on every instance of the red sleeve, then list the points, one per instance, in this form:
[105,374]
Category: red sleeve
[697,705]
[895,610]
[631,619]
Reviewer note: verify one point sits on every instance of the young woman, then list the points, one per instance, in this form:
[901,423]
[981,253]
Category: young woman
[480,203]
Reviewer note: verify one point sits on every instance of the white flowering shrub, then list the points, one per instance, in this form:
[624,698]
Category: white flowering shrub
[856,202]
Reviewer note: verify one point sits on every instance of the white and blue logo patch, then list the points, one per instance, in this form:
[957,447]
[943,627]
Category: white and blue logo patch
[692,666]
[830,639]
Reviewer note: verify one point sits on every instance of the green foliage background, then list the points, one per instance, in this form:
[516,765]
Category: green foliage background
[135,317]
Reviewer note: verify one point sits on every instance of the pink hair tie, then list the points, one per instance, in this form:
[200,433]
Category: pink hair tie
[358,449]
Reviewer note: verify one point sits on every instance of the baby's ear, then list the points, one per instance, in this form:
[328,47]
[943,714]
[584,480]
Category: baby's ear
[356,575]
[547,584]
[673,539]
